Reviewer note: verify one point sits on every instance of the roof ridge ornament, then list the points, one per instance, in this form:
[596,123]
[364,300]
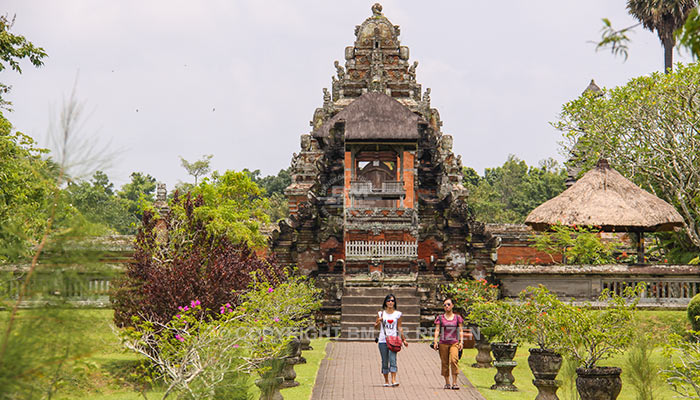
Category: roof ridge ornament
[377,10]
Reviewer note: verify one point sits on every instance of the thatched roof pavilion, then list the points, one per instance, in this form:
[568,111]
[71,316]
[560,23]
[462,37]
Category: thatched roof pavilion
[605,198]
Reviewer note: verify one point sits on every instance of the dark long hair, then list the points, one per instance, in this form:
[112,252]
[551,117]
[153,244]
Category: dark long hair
[389,296]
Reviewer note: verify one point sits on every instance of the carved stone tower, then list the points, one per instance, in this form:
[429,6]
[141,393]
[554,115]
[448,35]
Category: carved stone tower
[376,193]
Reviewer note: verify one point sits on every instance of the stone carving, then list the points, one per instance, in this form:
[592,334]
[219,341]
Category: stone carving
[446,142]
[339,70]
[306,142]
[376,10]
[326,99]
[412,72]
[426,97]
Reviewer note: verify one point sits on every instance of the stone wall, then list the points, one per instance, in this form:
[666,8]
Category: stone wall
[668,286]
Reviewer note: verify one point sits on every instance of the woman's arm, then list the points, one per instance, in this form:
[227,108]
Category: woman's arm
[436,340]
[399,326]
[377,321]
[461,335]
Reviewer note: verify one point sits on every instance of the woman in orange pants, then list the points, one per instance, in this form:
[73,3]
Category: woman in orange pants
[448,335]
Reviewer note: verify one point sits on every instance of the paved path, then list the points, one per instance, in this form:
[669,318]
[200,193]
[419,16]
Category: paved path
[351,370]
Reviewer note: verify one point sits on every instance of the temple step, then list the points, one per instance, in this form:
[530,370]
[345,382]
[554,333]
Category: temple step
[360,305]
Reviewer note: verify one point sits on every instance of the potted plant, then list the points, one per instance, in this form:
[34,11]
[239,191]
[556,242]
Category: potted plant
[501,321]
[540,328]
[590,336]
[464,294]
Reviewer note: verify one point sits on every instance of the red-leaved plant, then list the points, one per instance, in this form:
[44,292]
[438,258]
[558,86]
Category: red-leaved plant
[170,267]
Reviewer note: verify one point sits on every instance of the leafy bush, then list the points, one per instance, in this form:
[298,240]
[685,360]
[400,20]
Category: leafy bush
[539,309]
[203,354]
[579,245]
[499,321]
[189,264]
[466,292]
[694,312]
[684,372]
[589,335]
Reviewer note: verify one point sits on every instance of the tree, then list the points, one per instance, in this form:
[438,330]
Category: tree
[234,206]
[197,168]
[650,131]
[97,201]
[13,49]
[26,190]
[671,19]
[664,17]
[138,193]
[273,186]
[508,193]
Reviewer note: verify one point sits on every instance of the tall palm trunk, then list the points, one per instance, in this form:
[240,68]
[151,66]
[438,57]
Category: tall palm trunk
[668,44]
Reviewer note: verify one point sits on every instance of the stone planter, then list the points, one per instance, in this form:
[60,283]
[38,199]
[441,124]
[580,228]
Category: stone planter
[270,387]
[545,365]
[504,354]
[504,351]
[483,356]
[600,383]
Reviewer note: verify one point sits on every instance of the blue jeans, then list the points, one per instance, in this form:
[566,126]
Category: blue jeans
[388,359]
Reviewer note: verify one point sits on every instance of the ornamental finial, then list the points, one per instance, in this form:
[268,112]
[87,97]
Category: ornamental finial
[377,9]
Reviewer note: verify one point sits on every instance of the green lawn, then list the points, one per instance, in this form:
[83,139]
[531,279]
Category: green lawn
[105,371]
[482,378]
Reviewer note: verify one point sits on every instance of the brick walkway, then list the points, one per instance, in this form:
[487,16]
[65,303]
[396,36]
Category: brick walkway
[352,370]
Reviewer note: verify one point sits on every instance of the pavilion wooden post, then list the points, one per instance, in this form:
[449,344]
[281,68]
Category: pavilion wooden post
[640,247]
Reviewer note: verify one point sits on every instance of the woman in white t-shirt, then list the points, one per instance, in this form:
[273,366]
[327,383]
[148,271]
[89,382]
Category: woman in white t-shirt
[389,324]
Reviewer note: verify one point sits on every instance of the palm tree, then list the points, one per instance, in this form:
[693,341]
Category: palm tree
[664,17]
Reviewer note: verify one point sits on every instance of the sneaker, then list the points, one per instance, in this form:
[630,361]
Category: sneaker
[386,385]
[455,387]
[395,384]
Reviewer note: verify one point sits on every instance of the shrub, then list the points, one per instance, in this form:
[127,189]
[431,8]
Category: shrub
[189,264]
[641,369]
[539,307]
[204,355]
[589,336]
[683,373]
[499,321]
[466,292]
[579,245]
[694,312]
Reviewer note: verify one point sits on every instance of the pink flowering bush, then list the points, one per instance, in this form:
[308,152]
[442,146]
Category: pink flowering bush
[198,351]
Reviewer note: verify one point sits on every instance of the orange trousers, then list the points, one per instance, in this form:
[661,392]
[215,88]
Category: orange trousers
[449,357]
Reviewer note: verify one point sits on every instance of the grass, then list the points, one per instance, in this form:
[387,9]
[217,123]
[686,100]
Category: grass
[106,371]
[482,378]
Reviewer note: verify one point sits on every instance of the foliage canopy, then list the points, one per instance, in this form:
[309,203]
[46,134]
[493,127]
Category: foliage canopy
[650,130]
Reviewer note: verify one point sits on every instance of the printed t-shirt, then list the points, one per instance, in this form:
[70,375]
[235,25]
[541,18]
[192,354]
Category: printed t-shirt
[390,325]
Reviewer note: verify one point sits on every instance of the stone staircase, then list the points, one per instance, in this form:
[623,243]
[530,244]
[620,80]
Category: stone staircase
[360,305]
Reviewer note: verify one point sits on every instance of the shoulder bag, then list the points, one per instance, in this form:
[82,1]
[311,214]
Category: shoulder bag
[394,343]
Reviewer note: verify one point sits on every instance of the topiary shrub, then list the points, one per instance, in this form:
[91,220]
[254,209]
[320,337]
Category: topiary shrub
[694,312]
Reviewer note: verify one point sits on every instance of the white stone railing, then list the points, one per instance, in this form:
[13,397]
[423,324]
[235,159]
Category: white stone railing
[359,188]
[657,289]
[361,249]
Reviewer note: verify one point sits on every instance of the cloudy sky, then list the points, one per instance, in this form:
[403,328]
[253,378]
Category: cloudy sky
[240,79]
